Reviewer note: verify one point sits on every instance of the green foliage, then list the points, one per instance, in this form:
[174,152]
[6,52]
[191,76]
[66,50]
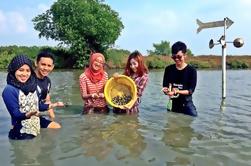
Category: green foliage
[161,49]
[189,52]
[155,62]
[237,65]
[164,49]
[200,64]
[81,62]
[5,59]
[29,51]
[8,52]
[62,56]
[117,56]
[82,25]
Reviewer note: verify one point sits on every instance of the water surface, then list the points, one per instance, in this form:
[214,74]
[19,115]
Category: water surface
[218,136]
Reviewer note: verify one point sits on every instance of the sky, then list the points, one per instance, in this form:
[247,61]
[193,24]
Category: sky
[145,22]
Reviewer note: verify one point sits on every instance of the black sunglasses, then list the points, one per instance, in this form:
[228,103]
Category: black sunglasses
[177,57]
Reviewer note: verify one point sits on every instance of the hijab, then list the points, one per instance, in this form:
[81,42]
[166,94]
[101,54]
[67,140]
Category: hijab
[17,62]
[94,75]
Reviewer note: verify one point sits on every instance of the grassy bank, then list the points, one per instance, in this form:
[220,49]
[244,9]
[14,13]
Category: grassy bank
[116,58]
[200,62]
[214,62]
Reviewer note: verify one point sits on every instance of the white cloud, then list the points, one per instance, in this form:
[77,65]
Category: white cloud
[17,22]
[245,2]
[12,22]
[2,22]
[43,7]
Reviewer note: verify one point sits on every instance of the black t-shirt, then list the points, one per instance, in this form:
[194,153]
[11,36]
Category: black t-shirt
[184,79]
[43,87]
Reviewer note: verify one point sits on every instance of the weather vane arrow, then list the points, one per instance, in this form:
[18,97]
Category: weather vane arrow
[213,24]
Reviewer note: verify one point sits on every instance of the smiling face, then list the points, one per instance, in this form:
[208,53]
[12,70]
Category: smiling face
[179,58]
[98,64]
[23,73]
[44,66]
[134,65]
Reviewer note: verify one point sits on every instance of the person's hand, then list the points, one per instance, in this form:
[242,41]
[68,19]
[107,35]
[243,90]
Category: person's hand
[51,114]
[43,113]
[31,113]
[165,90]
[176,91]
[116,75]
[101,95]
[94,96]
[170,93]
[59,104]
[47,102]
[48,98]
[125,107]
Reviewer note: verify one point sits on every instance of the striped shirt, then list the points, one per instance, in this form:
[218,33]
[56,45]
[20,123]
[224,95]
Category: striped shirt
[141,84]
[88,87]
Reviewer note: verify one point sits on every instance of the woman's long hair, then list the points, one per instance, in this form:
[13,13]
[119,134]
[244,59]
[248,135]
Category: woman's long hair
[142,69]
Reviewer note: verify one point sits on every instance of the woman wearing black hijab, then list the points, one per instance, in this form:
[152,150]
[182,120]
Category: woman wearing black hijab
[21,99]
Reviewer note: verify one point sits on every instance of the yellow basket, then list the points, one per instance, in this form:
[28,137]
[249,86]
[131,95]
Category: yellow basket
[123,85]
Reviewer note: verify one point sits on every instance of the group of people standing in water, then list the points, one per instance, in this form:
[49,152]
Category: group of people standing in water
[27,93]
[92,82]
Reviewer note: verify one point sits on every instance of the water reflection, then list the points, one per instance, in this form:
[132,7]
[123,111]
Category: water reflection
[120,136]
[94,140]
[223,105]
[178,131]
[32,152]
[125,132]
[178,135]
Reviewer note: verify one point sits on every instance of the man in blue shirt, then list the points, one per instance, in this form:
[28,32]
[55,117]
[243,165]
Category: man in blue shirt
[44,65]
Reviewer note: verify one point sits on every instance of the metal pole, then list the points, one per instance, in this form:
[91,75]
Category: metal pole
[223,72]
[224,63]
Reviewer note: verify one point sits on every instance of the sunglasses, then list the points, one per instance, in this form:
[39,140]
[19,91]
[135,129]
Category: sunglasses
[177,57]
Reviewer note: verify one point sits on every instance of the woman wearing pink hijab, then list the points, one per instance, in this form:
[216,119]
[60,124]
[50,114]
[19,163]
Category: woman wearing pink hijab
[92,83]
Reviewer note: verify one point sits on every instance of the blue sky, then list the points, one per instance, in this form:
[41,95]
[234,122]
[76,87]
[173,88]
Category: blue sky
[146,22]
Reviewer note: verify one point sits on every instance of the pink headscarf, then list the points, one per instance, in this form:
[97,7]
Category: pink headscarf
[94,75]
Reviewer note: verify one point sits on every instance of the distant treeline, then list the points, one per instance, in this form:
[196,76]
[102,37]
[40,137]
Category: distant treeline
[8,52]
[116,58]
